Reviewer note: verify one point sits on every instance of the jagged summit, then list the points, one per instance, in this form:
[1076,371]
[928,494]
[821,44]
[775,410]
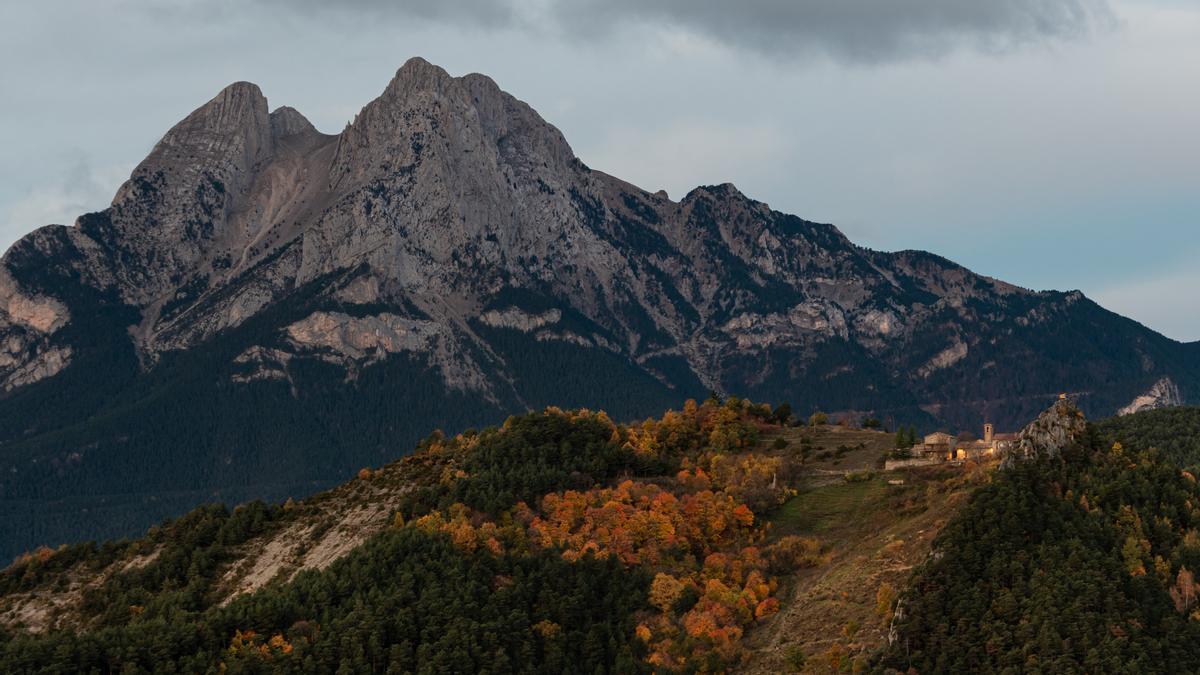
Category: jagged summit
[287,121]
[416,75]
[466,124]
[234,121]
[722,189]
[227,109]
[236,91]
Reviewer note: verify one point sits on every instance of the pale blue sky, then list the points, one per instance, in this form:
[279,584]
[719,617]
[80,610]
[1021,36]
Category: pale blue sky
[1051,144]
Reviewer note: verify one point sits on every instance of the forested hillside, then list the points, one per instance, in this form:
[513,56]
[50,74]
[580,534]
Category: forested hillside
[103,471]
[1083,563]
[559,540]
[718,537]
[1174,431]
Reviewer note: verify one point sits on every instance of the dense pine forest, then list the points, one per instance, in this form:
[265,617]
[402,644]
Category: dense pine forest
[1080,564]
[1173,431]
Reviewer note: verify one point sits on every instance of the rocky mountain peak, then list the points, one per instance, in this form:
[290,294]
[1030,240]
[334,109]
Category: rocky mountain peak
[723,201]
[416,75]
[287,121]
[177,201]
[720,191]
[228,134]
[464,125]
[236,99]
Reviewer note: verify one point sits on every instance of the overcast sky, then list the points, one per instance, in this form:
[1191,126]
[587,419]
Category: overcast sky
[1050,143]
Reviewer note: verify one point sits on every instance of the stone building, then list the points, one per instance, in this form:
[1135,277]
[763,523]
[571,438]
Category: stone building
[991,445]
[943,447]
[937,446]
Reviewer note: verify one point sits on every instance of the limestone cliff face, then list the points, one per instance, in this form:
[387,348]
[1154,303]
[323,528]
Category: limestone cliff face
[27,323]
[176,207]
[1049,434]
[1162,394]
[448,208]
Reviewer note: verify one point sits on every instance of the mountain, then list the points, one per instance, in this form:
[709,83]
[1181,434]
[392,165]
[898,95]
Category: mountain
[265,308]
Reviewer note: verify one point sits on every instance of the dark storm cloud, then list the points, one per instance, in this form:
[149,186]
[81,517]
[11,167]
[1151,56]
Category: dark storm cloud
[857,30]
[860,31]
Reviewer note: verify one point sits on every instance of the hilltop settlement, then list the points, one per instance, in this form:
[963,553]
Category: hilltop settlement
[940,447]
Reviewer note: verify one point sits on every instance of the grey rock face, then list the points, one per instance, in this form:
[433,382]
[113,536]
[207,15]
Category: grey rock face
[1049,434]
[445,195]
[1162,394]
[27,322]
[174,209]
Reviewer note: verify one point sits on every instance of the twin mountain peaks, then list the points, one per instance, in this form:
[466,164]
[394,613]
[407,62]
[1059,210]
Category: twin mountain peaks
[264,308]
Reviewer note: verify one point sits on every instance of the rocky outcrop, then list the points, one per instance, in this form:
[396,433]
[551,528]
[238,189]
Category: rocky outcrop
[1048,435]
[1162,394]
[356,342]
[944,359]
[514,317]
[41,314]
[171,215]
[27,324]
[23,366]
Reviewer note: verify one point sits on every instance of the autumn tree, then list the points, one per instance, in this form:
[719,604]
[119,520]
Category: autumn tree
[885,601]
[665,591]
[1184,591]
[783,414]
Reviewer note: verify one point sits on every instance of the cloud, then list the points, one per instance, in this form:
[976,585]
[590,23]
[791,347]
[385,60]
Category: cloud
[494,13]
[853,31]
[863,31]
[83,189]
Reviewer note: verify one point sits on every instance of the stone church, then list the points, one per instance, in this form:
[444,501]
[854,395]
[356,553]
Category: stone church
[943,447]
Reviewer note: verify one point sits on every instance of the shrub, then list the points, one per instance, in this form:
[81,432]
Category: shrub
[795,658]
[793,552]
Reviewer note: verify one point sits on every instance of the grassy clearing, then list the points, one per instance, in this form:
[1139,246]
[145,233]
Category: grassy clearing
[873,534]
[829,510]
[834,448]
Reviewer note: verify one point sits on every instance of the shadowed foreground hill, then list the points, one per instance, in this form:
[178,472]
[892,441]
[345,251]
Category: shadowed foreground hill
[704,540]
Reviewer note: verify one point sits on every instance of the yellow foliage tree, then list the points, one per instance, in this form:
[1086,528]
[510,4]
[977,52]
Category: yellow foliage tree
[664,591]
